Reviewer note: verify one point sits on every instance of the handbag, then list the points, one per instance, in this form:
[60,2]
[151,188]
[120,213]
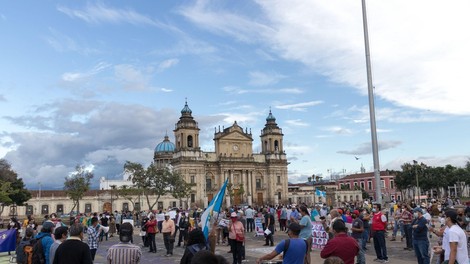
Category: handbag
[240,237]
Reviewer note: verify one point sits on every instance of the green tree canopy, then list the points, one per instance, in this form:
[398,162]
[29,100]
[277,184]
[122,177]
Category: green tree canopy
[77,184]
[12,188]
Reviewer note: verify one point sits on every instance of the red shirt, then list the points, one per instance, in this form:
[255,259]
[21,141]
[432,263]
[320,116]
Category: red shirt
[341,246]
[151,229]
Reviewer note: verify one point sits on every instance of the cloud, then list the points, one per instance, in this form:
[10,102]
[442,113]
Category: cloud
[167,64]
[418,61]
[434,161]
[339,130]
[133,78]
[79,76]
[63,43]
[238,90]
[263,79]
[366,148]
[165,90]
[297,122]
[299,106]
[2,98]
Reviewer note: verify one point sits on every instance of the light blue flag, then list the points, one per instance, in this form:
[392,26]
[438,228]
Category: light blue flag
[214,205]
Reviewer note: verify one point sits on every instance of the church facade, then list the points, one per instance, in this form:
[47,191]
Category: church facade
[253,178]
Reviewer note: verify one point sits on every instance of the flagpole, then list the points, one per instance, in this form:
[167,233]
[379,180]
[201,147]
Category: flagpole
[373,129]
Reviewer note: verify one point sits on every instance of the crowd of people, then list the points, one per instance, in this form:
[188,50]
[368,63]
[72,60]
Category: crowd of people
[347,229]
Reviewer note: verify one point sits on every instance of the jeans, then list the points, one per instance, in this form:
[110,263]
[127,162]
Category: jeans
[361,258]
[408,235]
[379,244]
[93,253]
[250,224]
[169,241]
[365,238]
[236,248]
[151,242]
[183,236]
[422,251]
[397,225]
[269,238]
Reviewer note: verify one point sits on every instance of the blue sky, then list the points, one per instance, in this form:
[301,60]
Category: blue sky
[101,82]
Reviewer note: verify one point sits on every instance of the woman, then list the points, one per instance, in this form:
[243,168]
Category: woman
[151,226]
[236,238]
[196,242]
[112,226]
[306,231]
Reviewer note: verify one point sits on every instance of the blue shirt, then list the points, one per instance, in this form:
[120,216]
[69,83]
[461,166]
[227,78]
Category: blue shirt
[421,231]
[295,214]
[306,231]
[295,253]
[46,241]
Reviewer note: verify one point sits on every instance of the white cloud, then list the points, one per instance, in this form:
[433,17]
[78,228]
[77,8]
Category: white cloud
[339,130]
[167,64]
[262,78]
[366,148]
[299,106]
[165,90]
[419,61]
[297,122]
[434,161]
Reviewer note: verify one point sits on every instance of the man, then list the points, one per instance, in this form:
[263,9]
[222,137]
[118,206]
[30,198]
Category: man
[183,227]
[73,250]
[454,242]
[124,252]
[269,222]
[420,236]
[250,219]
[379,222]
[407,218]
[357,233]
[46,240]
[342,246]
[365,218]
[93,233]
[118,218]
[296,250]
[60,235]
[398,224]
[104,222]
[168,230]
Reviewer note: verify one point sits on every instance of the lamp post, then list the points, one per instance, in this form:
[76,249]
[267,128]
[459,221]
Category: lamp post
[417,181]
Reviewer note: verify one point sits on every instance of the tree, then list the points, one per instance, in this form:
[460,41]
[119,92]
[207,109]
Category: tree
[77,184]
[152,181]
[129,193]
[181,189]
[12,188]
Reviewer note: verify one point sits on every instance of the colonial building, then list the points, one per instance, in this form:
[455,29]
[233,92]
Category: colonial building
[254,178]
[366,182]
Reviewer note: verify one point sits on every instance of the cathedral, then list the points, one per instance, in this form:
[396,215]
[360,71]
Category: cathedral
[254,178]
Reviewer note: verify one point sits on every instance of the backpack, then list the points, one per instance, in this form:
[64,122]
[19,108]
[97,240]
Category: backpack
[286,247]
[24,251]
[38,256]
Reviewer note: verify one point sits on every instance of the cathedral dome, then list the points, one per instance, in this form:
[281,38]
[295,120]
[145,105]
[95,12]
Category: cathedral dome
[165,146]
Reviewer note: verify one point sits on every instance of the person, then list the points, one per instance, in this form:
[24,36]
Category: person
[168,230]
[196,242]
[357,230]
[60,235]
[379,222]
[365,218]
[341,245]
[44,237]
[73,250]
[398,224]
[183,228]
[93,232]
[151,229]
[112,226]
[118,219]
[250,219]
[21,256]
[306,231]
[407,218]
[420,236]
[236,238]
[296,250]
[104,222]
[454,242]
[269,224]
[124,252]
[206,257]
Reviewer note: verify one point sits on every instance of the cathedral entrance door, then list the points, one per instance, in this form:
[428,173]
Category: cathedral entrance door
[210,196]
[107,207]
[237,198]
[260,199]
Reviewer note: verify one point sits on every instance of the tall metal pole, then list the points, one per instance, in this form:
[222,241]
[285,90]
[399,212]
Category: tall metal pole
[373,129]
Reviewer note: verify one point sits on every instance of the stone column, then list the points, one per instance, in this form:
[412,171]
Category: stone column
[227,196]
[248,188]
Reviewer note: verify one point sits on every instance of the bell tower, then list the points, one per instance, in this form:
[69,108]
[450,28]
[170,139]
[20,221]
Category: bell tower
[186,131]
[271,137]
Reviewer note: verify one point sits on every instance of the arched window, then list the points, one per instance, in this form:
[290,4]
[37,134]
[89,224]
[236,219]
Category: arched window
[266,145]
[190,141]
[276,145]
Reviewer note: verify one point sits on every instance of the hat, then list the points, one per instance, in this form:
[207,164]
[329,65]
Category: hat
[166,214]
[294,227]
[233,214]
[48,226]
[452,214]
[418,209]
[356,212]
[340,211]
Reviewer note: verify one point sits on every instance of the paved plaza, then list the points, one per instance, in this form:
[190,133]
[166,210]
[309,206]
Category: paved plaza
[254,249]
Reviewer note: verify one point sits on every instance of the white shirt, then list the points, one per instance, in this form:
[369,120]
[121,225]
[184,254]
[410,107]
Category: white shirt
[289,211]
[455,234]
[249,213]
[160,217]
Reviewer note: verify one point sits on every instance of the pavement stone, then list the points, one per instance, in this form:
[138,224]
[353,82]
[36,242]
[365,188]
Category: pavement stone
[253,249]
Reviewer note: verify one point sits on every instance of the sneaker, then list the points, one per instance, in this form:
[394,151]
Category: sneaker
[377,260]
[384,261]
[393,239]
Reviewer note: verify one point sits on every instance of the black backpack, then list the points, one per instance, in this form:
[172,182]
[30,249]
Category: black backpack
[38,252]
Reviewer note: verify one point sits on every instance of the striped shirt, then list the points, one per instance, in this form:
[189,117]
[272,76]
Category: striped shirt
[124,253]
[93,236]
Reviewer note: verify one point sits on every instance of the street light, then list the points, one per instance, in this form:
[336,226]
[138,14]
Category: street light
[417,181]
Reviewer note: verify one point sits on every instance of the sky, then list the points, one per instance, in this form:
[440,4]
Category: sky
[98,83]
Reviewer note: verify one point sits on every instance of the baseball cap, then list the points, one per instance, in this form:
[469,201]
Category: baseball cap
[418,209]
[167,214]
[356,212]
[233,214]
[48,226]
[452,214]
